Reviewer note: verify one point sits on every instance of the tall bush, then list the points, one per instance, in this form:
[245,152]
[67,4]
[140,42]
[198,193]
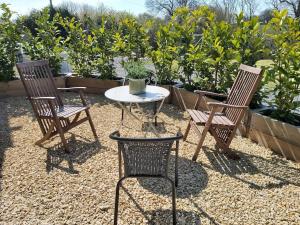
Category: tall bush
[164,56]
[131,39]
[9,38]
[81,47]
[104,48]
[47,42]
[221,59]
[249,40]
[186,32]
[284,32]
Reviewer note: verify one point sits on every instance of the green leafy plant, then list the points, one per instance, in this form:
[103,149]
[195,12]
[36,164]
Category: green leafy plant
[285,71]
[47,43]
[10,34]
[249,40]
[81,47]
[131,39]
[136,70]
[185,26]
[164,56]
[105,54]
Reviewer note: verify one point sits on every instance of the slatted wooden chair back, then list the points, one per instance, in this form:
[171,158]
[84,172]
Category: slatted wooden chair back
[38,81]
[242,91]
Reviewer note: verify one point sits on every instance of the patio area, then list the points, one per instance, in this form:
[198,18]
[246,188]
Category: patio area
[44,185]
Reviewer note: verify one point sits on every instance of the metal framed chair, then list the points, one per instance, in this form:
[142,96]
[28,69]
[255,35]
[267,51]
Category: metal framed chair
[146,157]
[52,115]
[222,125]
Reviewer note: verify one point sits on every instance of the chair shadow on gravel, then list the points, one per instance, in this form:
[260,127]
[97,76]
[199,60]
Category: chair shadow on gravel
[162,217]
[80,151]
[192,179]
[8,109]
[274,168]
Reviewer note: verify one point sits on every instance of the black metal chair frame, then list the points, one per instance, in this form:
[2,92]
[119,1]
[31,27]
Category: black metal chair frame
[116,136]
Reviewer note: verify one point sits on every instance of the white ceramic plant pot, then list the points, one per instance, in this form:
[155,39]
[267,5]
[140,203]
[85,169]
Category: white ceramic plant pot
[137,86]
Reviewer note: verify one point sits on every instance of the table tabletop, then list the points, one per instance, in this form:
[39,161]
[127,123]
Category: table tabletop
[152,94]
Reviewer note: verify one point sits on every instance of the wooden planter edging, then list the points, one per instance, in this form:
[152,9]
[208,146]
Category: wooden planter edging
[16,88]
[282,138]
[94,86]
[189,98]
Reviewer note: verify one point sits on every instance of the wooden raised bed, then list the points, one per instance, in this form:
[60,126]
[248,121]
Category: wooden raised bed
[94,86]
[282,138]
[16,88]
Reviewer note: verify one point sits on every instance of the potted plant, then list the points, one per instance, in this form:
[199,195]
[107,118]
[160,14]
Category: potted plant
[137,73]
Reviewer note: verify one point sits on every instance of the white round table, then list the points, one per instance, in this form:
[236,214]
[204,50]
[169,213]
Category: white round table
[152,94]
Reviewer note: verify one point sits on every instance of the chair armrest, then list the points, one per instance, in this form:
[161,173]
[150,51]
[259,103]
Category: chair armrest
[77,89]
[223,105]
[72,89]
[208,93]
[42,98]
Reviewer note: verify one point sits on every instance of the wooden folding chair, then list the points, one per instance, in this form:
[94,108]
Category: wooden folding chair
[222,124]
[52,115]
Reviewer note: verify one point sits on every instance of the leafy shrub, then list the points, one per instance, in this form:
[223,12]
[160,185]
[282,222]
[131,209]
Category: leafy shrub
[47,42]
[105,54]
[80,46]
[131,39]
[285,72]
[164,56]
[185,27]
[9,38]
[249,40]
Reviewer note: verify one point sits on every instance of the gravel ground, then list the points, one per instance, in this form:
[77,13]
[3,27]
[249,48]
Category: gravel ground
[43,185]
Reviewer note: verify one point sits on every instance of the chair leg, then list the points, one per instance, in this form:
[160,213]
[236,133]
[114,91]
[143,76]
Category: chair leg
[91,123]
[200,143]
[122,116]
[117,201]
[187,130]
[176,164]
[47,135]
[62,135]
[154,113]
[173,201]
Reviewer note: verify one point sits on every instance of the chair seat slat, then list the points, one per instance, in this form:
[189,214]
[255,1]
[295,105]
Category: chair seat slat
[200,117]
